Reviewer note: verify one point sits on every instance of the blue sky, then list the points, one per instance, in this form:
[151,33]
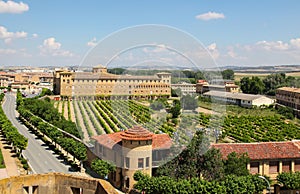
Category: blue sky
[244,33]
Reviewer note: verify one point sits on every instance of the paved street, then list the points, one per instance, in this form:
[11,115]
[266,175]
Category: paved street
[41,159]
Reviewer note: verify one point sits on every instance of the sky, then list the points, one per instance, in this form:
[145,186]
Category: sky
[60,33]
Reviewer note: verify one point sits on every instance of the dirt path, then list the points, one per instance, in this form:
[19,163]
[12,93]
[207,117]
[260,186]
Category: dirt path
[91,116]
[73,118]
[66,114]
[59,107]
[206,111]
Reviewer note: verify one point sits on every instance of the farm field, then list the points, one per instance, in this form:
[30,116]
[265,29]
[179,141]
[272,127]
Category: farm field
[239,76]
[238,124]
[106,116]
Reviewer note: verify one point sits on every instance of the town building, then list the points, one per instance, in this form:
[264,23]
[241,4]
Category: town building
[101,83]
[290,97]
[266,158]
[240,99]
[185,88]
[55,183]
[132,150]
[203,86]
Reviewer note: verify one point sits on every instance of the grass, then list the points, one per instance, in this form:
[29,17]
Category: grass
[2,165]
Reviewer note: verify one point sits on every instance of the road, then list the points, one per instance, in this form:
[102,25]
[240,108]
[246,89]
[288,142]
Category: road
[40,158]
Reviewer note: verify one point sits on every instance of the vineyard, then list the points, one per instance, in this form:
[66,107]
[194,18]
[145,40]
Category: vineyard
[109,116]
[253,128]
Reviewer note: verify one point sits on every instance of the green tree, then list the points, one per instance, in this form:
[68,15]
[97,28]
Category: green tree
[289,180]
[211,164]
[228,74]
[189,102]
[175,109]
[102,168]
[236,164]
[252,86]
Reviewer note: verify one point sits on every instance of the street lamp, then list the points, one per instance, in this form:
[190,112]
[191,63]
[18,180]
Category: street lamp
[264,178]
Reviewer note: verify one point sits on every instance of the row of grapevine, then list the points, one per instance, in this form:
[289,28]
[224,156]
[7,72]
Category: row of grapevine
[107,119]
[110,114]
[124,120]
[92,118]
[102,121]
[85,120]
[255,128]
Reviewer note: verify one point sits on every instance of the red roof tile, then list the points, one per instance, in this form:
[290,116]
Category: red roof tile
[137,133]
[159,141]
[263,150]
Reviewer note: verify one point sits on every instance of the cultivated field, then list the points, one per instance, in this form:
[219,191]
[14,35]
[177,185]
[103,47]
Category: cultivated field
[239,76]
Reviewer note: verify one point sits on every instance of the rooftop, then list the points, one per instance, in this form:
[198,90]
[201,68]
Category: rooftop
[290,89]
[136,133]
[262,150]
[231,95]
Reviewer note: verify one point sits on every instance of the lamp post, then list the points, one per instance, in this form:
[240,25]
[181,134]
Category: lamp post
[264,178]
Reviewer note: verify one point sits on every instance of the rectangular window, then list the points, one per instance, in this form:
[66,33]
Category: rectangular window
[286,166]
[147,161]
[127,164]
[141,163]
[297,165]
[254,167]
[273,167]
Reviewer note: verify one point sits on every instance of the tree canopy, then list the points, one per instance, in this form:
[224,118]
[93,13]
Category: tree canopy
[102,168]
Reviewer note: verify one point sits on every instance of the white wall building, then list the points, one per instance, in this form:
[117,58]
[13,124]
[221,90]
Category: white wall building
[244,100]
[186,88]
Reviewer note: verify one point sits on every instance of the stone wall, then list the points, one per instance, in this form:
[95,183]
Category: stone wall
[54,183]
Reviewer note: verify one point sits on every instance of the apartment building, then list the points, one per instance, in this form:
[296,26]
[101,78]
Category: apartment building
[101,83]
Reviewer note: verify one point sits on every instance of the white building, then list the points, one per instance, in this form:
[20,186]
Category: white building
[186,88]
[244,100]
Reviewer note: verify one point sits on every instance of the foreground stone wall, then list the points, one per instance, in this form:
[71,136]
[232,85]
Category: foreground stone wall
[54,183]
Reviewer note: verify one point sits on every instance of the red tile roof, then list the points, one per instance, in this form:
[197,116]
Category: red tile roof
[159,141]
[263,150]
[137,133]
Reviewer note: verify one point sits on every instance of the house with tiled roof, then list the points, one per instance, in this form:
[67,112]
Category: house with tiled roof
[266,158]
[131,150]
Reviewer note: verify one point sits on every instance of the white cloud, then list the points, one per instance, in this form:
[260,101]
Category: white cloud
[213,49]
[52,47]
[7,51]
[9,36]
[51,44]
[92,42]
[35,35]
[295,43]
[273,45]
[210,16]
[13,7]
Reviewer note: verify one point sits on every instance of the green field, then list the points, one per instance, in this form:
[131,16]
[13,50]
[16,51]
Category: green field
[239,76]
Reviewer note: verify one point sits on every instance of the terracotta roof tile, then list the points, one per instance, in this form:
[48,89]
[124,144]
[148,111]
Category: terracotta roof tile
[159,141]
[263,150]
